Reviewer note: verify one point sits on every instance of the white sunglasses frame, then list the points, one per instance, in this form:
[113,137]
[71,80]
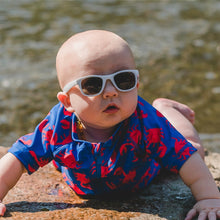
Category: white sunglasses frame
[104,78]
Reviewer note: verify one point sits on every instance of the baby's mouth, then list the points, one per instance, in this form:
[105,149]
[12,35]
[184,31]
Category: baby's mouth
[111,109]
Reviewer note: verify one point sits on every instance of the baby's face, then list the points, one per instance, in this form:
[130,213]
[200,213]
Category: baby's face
[96,53]
[111,106]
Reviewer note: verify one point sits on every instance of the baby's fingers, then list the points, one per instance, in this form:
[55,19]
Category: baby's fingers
[190,214]
[2,209]
[212,216]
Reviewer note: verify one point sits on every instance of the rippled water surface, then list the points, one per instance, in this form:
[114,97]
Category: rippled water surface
[176,46]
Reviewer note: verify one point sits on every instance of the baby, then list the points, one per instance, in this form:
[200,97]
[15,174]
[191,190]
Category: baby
[103,137]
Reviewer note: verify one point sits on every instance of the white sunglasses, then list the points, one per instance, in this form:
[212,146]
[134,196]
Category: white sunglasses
[93,85]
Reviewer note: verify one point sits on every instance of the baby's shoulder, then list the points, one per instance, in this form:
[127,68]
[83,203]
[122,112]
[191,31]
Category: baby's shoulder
[59,114]
[144,107]
[149,115]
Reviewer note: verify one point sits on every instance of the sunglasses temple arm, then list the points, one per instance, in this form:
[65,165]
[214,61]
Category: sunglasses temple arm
[69,85]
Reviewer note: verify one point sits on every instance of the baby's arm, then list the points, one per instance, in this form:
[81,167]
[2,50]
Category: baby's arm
[11,170]
[196,175]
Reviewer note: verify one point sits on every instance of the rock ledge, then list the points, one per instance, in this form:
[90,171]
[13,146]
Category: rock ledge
[44,195]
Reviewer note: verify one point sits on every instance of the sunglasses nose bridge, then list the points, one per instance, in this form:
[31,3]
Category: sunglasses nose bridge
[109,88]
[106,79]
[108,82]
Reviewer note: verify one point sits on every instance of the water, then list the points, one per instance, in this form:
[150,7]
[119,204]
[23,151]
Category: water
[176,46]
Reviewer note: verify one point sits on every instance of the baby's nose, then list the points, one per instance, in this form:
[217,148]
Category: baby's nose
[109,90]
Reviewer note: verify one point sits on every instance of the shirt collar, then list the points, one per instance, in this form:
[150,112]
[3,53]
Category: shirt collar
[113,138]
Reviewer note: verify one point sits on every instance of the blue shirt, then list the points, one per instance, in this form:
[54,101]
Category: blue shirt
[140,146]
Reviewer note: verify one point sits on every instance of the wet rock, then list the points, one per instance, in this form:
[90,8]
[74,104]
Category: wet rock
[44,195]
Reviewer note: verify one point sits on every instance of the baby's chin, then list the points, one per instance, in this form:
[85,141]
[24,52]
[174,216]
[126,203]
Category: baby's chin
[114,123]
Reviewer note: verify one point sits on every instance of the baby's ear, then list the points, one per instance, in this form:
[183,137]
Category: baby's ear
[65,100]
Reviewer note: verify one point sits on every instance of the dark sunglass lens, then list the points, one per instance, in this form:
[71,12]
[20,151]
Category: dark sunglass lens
[92,85]
[125,80]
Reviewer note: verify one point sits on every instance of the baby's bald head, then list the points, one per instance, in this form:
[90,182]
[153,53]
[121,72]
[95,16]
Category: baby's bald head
[88,50]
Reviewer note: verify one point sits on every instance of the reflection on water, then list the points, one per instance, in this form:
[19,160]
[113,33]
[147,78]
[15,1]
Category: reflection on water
[176,46]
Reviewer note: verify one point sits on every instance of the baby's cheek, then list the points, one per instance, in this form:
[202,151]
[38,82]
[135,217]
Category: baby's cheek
[132,103]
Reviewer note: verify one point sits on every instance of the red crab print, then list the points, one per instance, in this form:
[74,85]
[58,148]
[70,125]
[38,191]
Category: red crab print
[41,162]
[162,150]
[25,140]
[72,185]
[179,144]
[68,159]
[84,181]
[154,135]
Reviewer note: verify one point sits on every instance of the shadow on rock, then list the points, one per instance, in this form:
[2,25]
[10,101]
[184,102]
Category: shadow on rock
[25,206]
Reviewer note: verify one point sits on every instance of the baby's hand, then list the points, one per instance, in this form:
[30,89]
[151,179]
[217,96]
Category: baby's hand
[2,209]
[206,209]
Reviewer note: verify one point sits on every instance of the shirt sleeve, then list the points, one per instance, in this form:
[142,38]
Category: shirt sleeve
[173,149]
[164,144]
[34,149]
